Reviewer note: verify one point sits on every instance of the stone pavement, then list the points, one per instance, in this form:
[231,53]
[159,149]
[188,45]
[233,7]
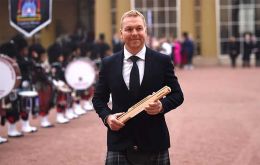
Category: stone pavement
[218,124]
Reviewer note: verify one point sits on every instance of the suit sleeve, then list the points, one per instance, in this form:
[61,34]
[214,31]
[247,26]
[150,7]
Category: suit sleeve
[175,98]
[102,94]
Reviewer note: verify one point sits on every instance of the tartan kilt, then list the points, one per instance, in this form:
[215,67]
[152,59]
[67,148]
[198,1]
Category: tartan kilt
[120,158]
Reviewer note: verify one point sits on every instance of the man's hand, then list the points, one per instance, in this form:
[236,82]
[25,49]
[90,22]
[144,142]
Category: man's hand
[113,123]
[154,108]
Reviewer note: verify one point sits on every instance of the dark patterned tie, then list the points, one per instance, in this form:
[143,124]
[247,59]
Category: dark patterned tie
[134,83]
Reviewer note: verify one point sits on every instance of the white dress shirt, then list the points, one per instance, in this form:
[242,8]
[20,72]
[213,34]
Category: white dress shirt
[128,64]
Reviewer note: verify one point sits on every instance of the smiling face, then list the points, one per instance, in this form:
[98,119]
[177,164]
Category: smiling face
[133,33]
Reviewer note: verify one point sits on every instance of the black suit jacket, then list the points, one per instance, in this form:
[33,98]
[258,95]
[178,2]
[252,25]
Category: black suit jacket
[149,133]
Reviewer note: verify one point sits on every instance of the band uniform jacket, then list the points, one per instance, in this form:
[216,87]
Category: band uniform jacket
[147,132]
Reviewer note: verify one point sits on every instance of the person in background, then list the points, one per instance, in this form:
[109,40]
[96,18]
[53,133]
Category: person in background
[2,120]
[187,51]
[248,47]
[130,75]
[101,48]
[26,66]
[9,104]
[116,42]
[176,52]
[42,81]
[166,47]
[233,50]
[58,78]
[78,109]
[256,51]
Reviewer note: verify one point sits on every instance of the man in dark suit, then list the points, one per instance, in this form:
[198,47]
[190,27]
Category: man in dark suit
[143,139]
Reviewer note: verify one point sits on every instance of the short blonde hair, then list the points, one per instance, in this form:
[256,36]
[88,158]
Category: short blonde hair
[132,13]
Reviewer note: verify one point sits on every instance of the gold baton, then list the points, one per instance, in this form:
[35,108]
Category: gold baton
[139,107]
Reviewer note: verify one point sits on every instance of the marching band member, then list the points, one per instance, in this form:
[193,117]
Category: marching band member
[9,104]
[2,114]
[76,54]
[26,70]
[57,71]
[42,82]
[2,120]
[63,88]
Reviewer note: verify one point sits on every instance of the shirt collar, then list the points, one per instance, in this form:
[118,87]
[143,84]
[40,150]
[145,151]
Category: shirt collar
[140,54]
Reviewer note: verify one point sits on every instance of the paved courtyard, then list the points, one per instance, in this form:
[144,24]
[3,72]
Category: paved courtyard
[218,124]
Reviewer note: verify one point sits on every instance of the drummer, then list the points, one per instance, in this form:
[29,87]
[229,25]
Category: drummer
[9,104]
[83,97]
[26,67]
[2,112]
[2,121]
[42,79]
[55,52]
[74,55]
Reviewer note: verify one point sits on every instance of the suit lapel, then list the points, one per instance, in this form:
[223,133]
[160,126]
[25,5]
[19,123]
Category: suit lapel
[147,67]
[120,69]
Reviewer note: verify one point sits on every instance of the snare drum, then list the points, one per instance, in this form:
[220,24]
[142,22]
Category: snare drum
[80,74]
[29,102]
[10,75]
[63,96]
[64,89]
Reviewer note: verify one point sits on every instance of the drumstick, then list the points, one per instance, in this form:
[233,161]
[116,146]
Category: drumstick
[139,107]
